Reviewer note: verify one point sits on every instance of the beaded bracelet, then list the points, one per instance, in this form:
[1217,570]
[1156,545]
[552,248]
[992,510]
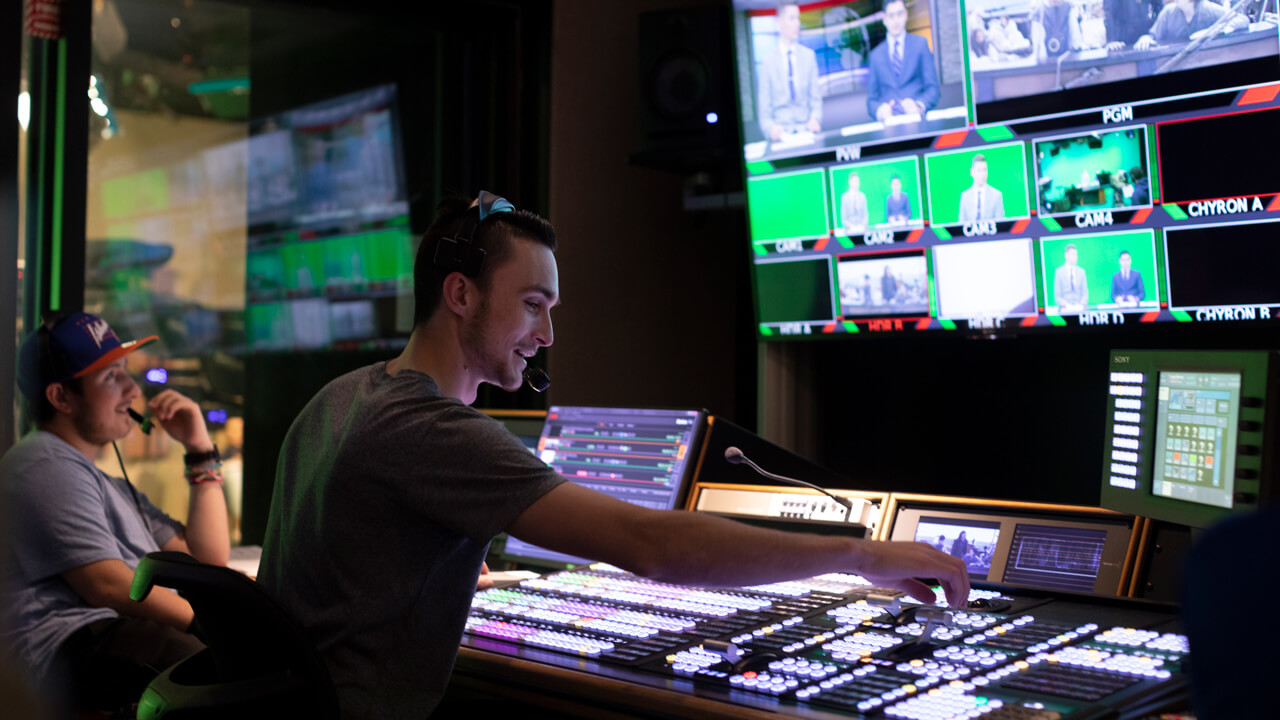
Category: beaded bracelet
[204,476]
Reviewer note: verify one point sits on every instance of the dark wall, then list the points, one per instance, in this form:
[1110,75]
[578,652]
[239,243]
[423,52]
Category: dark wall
[473,82]
[657,304]
[1017,418]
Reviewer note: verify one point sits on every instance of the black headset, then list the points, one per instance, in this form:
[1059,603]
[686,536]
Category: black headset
[458,253]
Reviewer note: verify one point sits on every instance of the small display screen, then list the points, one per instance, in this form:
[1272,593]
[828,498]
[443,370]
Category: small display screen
[973,541]
[641,456]
[1055,558]
[1196,417]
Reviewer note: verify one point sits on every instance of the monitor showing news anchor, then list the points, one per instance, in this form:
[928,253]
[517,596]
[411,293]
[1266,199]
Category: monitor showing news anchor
[1034,60]
[821,75]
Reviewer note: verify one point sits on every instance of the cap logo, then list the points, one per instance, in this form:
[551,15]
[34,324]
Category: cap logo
[98,330]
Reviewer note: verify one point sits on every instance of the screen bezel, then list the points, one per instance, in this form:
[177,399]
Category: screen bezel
[679,496]
[1111,572]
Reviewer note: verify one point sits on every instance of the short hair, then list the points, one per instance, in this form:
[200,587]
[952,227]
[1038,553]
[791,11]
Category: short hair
[784,4]
[1125,252]
[853,174]
[1068,248]
[895,176]
[978,158]
[493,235]
[887,3]
[1136,174]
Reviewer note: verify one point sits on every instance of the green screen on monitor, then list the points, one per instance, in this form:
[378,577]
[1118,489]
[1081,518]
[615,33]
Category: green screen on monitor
[951,174]
[788,205]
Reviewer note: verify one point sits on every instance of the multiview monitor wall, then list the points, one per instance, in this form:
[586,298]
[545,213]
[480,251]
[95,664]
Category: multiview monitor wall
[932,165]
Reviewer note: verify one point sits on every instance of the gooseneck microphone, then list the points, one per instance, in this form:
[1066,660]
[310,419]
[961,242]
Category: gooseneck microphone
[736,457]
[537,378]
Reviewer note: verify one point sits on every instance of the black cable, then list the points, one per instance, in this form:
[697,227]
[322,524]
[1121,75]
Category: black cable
[137,499]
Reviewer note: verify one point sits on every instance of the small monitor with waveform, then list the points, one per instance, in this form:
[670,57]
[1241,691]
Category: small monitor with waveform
[1188,437]
[641,456]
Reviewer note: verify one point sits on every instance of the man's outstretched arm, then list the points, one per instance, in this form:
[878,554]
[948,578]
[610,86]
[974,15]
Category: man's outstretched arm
[698,549]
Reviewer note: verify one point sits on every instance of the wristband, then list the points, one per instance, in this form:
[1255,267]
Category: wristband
[204,477]
[195,459]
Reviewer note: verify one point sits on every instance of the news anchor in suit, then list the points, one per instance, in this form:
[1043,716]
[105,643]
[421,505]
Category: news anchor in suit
[1126,285]
[790,94]
[897,204]
[902,79]
[980,201]
[1070,285]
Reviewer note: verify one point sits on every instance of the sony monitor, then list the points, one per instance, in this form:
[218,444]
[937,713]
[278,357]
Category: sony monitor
[1189,439]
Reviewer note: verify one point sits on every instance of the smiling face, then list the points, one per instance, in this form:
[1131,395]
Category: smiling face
[99,413]
[513,318]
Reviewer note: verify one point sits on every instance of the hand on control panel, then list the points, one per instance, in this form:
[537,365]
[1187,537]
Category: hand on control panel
[899,565]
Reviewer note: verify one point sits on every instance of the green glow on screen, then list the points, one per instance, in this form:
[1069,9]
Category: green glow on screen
[786,206]
[948,176]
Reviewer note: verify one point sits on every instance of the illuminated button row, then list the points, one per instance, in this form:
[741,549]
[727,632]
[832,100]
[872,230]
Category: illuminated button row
[657,595]
[571,612]
[1124,456]
[1126,443]
[1127,636]
[563,642]
[1125,416]
[934,669]
[942,703]
[1126,390]
[1123,403]
[767,630]
[692,660]
[964,624]
[841,679]
[974,594]
[764,682]
[818,639]
[971,656]
[855,612]
[805,668]
[1103,660]
[1065,638]
[1000,629]
[1123,469]
[1122,482]
[834,583]
[1130,430]
[1170,642]
[857,645]
[1127,377]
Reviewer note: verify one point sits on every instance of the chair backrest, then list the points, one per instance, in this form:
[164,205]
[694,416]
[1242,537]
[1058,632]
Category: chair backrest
[248,634]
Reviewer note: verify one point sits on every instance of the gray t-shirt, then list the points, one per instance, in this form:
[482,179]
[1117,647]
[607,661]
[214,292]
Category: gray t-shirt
[386,497]
[63,512]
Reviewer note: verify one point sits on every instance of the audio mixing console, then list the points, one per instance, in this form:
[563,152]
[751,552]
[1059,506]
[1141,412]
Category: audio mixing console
[834,644]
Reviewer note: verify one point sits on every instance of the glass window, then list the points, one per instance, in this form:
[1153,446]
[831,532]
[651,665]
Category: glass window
[166,220]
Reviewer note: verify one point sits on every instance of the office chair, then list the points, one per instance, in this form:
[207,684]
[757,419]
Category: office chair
[258,662]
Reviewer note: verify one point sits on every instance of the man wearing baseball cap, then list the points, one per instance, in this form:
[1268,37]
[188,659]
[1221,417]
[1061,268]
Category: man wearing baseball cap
[76,533]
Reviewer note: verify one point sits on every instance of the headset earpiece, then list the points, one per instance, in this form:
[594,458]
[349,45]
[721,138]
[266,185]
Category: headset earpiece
[458,253]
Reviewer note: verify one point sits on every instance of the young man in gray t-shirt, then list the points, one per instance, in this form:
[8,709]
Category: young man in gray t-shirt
[389,486]
[76,534]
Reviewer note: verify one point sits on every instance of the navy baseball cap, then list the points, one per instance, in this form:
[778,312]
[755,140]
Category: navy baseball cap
[77,344]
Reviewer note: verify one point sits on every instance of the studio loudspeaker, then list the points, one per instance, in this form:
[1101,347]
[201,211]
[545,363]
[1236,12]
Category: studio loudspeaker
[687,111]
